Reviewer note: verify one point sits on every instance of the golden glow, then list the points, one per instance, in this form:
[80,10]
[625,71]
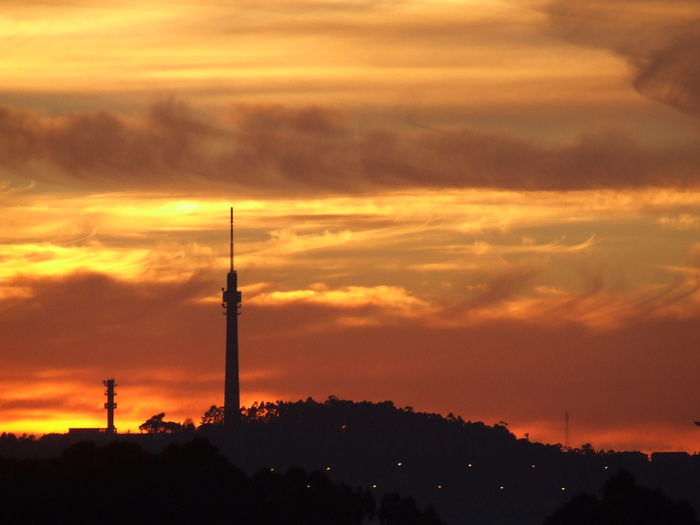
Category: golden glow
[134,239]
[391,298]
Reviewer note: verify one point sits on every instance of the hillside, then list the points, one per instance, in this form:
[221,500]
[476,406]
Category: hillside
[472,473]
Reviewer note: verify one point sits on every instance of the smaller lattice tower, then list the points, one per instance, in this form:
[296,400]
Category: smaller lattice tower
[110,405]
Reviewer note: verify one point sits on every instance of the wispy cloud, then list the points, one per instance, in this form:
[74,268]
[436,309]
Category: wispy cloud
[684,221]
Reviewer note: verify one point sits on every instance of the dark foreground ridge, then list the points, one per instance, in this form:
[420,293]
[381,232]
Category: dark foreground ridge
[121,483]
[623,501]
[471,473]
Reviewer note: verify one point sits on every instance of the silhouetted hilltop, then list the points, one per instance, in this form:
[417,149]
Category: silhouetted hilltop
[472,473]
[367,433]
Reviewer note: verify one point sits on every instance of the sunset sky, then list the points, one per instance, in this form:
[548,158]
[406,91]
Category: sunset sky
[485,207]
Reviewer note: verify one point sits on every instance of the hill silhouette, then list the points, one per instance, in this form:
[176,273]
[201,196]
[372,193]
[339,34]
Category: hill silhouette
[472,473]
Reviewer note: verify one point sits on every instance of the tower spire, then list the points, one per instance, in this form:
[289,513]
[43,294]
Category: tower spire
[231,269]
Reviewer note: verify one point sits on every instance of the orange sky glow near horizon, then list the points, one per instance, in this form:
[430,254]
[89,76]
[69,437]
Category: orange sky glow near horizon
[489,208]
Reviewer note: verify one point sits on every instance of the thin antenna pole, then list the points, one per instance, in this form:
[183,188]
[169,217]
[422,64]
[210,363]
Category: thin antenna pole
[231,239]
[566,429]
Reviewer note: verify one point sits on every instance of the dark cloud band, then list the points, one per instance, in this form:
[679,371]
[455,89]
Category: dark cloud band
[278,149]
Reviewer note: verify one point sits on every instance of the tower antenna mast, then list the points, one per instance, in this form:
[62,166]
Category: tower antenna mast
[231,269]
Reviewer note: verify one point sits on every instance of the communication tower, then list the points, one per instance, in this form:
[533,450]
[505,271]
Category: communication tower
[232,309]
[110,405]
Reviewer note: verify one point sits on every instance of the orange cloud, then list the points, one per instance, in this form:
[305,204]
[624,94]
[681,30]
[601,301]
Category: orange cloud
[684,221]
